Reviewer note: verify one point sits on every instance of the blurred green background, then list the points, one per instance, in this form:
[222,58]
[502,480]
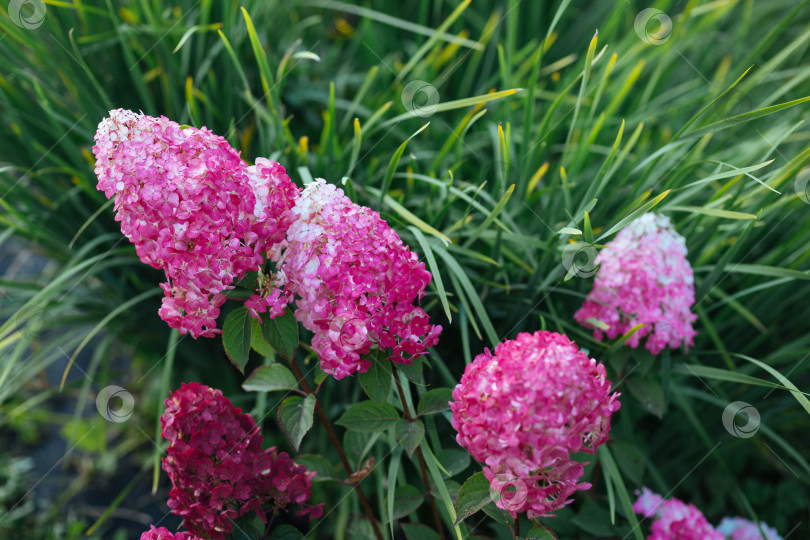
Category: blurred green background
[533,121]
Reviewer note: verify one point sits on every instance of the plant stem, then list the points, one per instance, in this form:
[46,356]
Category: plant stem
[330,432]
[517,526]
[421,458]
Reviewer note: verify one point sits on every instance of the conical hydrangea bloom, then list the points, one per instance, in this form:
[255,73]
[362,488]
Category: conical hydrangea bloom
[524,410]
[356,282]
[162,533]
[192,208]
[674,519]
[643,277]
[738,528]
[218,468]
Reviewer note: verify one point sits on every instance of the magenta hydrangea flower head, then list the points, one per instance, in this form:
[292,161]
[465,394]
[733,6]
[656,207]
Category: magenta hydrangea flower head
[524,410]
[356,282]
[643,277]
[674,519]
[218,468]
[737,528]
[163,533]
[192,208]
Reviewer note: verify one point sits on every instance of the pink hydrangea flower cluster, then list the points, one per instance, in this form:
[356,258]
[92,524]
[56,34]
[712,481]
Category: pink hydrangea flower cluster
[163,533]
[674,519]
[643,277]
[356,282]
[737,528]
[524,410]
[194,209]
[218,468]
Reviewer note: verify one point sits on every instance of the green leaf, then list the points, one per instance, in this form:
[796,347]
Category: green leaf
[281,333]
[473,496]
[286,532]
[295,417]
[319,465]
[407,499]
[453,461]
[376,382]
[368,417]
[392,165]
[435,401]
[257,342]
[499,515]
[621,490]
[415,531]
[412,371]
[409,434]
[236,331]
[270,378]
[714,212]
[649,393]
[541,533]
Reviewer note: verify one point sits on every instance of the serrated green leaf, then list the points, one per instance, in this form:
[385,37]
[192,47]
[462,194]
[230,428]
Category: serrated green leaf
[270,378]
[409,434]
[407,499]
[416,531]
[286,532]
[376,382]
[319,465]
[473,496]
[649,393]
[257,342]
[295,417]
[281,333]
[453,461]
[540,533]
[236,332]
[368,417]
[435,401]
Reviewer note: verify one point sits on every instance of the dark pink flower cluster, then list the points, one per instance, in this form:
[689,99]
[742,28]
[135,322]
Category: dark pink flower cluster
[356,282]
[524,410]
[218,468]
[192,208]
[163,533]
[674,519]
[737,528]
[643,277]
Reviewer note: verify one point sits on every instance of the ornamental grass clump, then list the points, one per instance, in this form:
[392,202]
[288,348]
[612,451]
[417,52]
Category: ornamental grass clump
[218,468]
[355,280]
[193,209]
[525,410]
[643,277]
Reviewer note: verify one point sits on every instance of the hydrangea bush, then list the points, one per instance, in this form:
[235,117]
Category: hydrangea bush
[354,306]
